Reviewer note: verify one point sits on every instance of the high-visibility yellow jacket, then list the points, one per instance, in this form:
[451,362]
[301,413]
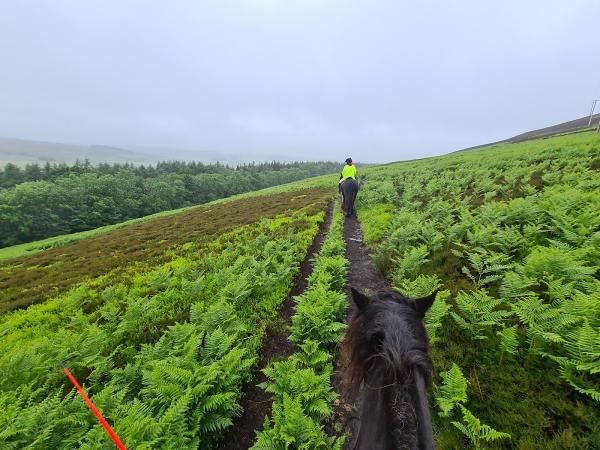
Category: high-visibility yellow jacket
[349,171]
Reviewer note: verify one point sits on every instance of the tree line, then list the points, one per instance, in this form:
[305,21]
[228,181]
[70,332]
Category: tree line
[39,202]
[12,174]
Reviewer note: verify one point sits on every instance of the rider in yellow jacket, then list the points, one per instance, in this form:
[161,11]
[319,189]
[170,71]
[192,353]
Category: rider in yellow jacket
[348,171]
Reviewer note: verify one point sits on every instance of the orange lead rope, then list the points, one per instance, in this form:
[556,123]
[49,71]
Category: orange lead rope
[88,402]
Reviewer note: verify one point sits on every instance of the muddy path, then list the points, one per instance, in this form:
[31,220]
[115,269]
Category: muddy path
[255,401]
[362,275]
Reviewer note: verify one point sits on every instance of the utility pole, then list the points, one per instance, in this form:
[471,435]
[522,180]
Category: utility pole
[594,102]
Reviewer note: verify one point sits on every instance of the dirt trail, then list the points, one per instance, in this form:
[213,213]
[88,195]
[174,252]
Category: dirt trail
[362,275]
[255,401]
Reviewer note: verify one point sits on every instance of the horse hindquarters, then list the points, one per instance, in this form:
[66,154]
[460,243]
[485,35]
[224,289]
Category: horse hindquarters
[349,190]
[354,193]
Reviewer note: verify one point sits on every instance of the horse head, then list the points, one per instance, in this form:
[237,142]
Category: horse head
[386,353]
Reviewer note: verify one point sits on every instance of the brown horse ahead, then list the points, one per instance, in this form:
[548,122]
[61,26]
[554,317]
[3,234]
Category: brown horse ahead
[386,358]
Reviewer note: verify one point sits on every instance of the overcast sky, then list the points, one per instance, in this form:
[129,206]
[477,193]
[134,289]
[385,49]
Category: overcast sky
[377,80]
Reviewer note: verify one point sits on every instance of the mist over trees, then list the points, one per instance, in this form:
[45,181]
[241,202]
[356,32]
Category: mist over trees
[39,202]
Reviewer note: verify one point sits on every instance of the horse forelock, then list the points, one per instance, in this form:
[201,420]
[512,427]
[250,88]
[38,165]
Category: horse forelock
[404,346]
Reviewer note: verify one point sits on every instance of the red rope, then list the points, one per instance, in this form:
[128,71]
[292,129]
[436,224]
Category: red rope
[87,400]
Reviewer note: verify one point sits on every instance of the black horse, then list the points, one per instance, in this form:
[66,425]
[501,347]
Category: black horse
[386,357]
[349,189]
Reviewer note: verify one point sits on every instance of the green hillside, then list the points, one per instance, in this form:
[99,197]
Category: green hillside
[183,300]
[164,319]
[510,234]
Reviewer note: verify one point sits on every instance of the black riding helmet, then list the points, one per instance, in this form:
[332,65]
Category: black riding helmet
[348,160]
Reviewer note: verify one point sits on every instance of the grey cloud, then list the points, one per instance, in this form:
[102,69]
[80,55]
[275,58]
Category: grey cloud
[381,80]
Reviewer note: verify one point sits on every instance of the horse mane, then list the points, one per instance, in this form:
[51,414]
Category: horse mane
[353,361]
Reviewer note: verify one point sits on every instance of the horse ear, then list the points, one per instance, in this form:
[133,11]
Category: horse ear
[424,303]
[360,300]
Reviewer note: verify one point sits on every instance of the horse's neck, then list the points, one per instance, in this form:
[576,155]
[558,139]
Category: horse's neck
[388,418]
[373,432]
[423,414]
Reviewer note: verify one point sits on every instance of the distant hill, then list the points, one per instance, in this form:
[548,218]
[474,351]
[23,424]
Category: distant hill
[565,127]
[22,151]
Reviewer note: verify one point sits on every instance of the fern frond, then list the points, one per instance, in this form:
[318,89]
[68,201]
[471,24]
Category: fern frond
[509,340]
[477,432]
[452,391]
[479,311]
[435,315]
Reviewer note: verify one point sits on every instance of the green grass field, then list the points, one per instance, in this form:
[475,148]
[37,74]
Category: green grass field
[163,318]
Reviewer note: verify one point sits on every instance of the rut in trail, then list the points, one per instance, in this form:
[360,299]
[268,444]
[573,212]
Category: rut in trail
[362,275]
[255,401]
